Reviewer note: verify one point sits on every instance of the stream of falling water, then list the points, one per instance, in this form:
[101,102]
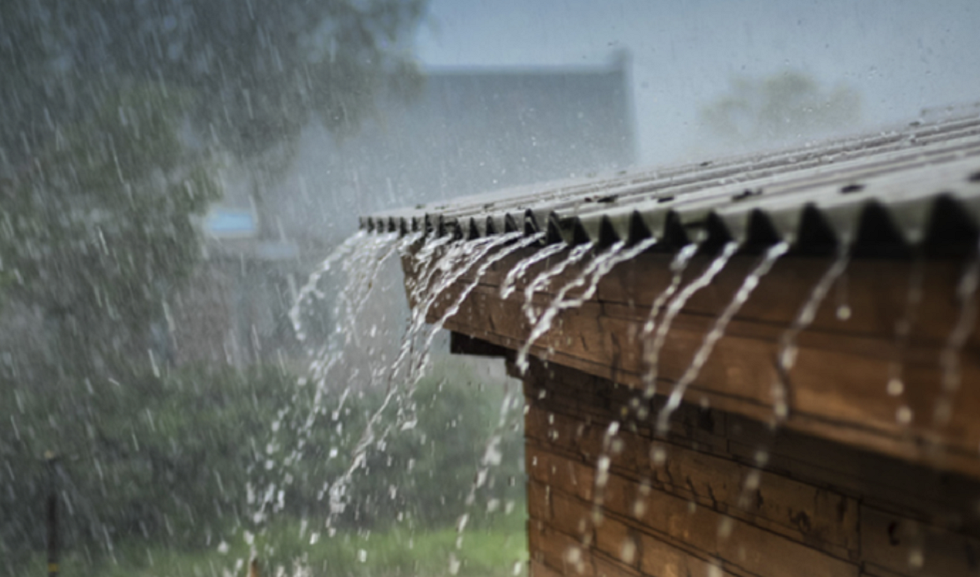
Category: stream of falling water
[509,284]
[480,272]
[903,331]
[455,262]
[371,252]
[966,293]
[782,391]
[749,284]
[590,277]
[678,302]
[310,290]
[541,282]
[677,267]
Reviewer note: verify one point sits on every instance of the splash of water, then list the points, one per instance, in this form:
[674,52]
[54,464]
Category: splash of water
[678,302]
[590,277]
[455,262]
[782,391]
[749,284]
[361,270]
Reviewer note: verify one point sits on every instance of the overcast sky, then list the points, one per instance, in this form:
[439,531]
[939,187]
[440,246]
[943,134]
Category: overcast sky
[899,55]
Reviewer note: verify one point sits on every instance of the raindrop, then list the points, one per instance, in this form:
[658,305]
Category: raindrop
[903,415]
[678,302]
[966,292]
[589,278]
[895,387]
[916,558]
[749,284]
[786,356]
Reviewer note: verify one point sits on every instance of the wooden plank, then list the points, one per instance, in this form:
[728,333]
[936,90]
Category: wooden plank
[926,494]
[843,364]
[619,541]
[610,568]
[740,374]
[817,517]
[662,559]
[572,477]
[875,290]
[906,547]
[539,569]
[559,551]
[739,543]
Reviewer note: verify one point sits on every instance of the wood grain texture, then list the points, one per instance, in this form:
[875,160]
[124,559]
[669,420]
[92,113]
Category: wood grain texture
[682,504]
[838,384]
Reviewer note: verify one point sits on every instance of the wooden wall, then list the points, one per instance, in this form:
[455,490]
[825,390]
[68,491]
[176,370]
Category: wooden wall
[696,503]
[838,384]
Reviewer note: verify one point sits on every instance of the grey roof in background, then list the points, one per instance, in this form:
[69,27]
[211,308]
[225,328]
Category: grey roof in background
[467,131]
[880,194]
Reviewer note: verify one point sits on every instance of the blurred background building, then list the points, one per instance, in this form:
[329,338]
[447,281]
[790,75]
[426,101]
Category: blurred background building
[464,131]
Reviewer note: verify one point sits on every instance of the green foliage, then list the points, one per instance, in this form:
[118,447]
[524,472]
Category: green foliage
[102,227]
[776,108]
[182,461]
[394,553]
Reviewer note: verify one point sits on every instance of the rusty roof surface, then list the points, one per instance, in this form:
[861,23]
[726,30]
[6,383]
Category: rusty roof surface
[886,193]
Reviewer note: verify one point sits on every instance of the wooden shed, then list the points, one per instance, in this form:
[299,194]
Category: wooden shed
[758,366]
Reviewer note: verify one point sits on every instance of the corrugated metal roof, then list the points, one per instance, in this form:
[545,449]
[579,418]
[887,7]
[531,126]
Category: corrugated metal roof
[881,194]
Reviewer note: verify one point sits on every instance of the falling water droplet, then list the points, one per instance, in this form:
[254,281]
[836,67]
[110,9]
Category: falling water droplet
[589,278]
[749,284]
[949,359]
[508,286]
[678,302]
[895,387]
[677,266]
[786,357]
[916,558]
[903,415]
[843,308]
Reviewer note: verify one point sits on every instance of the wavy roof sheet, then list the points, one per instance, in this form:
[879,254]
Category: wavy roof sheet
[882,194]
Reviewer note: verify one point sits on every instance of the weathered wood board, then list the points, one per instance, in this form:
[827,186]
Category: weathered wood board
[696,502]
[839,384]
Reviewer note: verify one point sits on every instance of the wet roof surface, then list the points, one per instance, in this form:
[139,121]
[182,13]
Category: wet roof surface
[882,194]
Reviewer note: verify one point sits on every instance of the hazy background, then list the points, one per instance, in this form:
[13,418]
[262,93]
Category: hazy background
[171,171]
[900,56]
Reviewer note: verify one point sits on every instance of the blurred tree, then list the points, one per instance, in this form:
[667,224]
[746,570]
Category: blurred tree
[780,107]
[99,228]
[262,68]
[110,111]
[111,115]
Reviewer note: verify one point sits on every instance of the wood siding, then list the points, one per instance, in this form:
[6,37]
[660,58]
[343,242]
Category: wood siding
[696,503]
[843,365]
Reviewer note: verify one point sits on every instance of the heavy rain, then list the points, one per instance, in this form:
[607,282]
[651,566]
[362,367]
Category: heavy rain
[440,287]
